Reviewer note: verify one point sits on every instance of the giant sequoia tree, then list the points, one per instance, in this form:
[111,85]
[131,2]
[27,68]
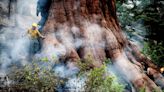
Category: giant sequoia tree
[90,28]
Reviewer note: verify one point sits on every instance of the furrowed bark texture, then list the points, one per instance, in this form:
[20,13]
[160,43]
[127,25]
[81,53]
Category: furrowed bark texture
[90,28]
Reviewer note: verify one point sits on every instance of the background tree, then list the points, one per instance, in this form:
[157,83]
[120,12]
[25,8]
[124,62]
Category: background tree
[143,21]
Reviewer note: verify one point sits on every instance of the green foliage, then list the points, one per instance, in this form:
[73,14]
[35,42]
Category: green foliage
[98,81]
[45,59]
[155,51]
[128,13]
[142,89]
[34,78]
[85,65]
[156,90]
[147,12]
[107,61]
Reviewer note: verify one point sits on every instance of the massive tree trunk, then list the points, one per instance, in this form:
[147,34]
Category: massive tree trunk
[90,28]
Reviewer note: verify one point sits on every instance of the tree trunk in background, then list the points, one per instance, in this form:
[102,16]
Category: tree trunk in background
[90,28]
[7,11]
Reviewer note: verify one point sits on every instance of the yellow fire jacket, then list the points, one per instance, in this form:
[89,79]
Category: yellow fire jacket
[34,33]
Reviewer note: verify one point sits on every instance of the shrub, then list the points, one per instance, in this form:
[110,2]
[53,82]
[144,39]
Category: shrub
[34,78]
[155,51]
[97,79]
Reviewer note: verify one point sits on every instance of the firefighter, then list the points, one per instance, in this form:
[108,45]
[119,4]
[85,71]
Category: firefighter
[34,35]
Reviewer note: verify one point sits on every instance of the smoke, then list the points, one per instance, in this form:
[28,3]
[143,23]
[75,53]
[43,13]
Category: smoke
[76,84]
[15,49]
[94,35]
[4,80]
[138,34]
[126,67]
[121,78]
[125,71]
[14,40]
[52,49]
[64,72]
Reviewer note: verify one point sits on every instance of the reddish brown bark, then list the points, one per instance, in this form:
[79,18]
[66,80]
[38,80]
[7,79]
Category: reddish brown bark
[96,25]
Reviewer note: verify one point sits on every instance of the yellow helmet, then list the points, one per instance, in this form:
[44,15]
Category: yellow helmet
[34,24]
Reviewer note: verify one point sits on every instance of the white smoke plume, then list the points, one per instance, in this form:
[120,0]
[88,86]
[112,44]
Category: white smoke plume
[14,41]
